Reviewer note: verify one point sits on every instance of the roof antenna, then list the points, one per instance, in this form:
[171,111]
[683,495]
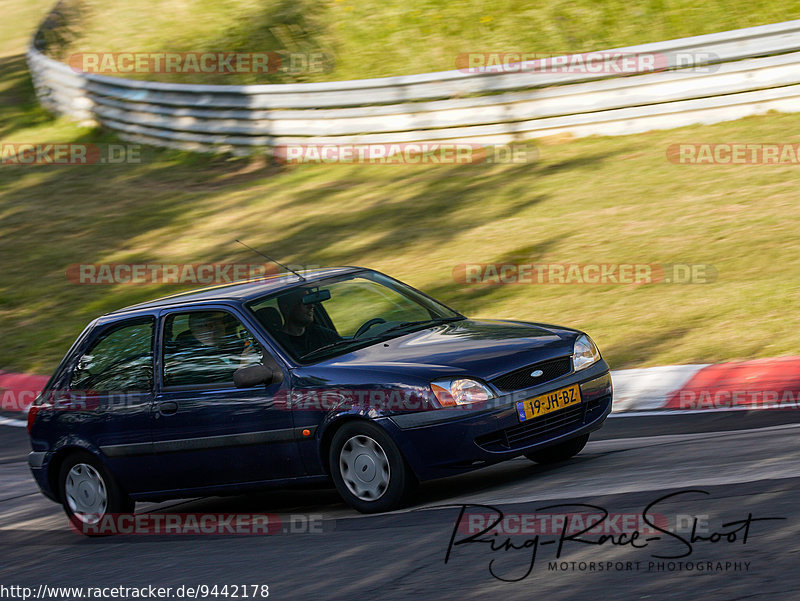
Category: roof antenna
[271,259]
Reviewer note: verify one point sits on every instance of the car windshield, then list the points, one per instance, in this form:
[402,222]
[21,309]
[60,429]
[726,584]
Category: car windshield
[325,319]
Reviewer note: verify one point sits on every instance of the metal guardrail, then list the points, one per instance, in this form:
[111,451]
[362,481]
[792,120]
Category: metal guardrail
[734,74]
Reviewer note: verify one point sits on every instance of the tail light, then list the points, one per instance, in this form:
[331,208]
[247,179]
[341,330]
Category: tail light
[32,416]
[34,409]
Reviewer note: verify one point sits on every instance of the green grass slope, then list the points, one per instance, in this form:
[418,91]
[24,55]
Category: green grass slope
[597,200]
[379,38]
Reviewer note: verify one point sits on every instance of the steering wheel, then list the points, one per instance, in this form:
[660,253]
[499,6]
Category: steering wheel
[367,325]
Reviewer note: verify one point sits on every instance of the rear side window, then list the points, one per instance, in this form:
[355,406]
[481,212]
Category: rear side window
[206,347]
[120,360]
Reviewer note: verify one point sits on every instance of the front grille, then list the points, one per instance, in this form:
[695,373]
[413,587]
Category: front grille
[521,378]
[558,422]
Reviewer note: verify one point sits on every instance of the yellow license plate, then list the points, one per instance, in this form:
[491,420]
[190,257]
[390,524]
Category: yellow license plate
[547,403]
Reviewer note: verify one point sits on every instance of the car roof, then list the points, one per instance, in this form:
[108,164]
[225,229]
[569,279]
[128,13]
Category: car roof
[241,291]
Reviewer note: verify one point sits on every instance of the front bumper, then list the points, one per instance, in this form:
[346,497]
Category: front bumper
[449,441]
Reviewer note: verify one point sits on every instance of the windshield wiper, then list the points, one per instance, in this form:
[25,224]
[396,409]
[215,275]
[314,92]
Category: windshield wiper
[371,339]
[423,322]
[329,346]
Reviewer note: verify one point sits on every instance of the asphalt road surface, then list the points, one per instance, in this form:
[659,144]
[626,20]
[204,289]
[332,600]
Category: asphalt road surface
[726,468]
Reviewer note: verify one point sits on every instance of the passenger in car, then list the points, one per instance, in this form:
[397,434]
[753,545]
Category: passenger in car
[206,329]
[210,350]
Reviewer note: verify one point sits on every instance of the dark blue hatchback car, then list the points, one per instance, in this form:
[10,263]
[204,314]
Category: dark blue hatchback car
[342,374]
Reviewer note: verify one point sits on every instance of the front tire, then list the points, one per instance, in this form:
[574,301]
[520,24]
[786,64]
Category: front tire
[88,493]
[368,469]
[559,452]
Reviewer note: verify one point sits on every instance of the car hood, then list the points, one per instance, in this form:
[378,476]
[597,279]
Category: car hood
[479,348]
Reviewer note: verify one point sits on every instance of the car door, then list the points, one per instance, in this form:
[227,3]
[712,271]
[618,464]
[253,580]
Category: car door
[206,431]
[109,394]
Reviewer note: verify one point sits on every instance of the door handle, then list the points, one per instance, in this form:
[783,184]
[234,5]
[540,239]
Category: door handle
[168,408]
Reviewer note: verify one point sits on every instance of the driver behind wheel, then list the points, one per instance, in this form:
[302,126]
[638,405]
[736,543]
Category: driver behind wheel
[299,334]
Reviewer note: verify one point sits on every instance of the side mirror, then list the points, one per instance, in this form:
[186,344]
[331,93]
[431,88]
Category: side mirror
[253,375]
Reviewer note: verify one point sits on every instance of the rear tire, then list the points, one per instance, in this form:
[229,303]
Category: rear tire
[89,492]
[368,469]
[559,452]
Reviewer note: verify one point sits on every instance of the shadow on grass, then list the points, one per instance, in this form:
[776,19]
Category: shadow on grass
[19,108]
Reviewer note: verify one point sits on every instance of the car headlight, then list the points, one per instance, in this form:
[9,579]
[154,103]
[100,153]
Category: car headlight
[584,353]
[460,391]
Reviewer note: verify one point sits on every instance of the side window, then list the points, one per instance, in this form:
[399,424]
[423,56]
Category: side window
[206,347]
[120,360]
